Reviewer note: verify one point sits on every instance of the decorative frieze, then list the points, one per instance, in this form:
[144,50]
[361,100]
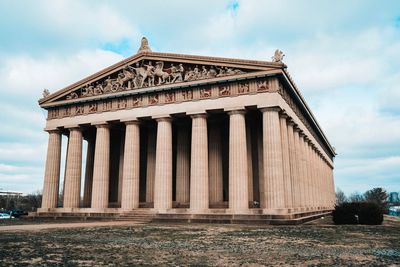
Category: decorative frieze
[159,98]
[148,73]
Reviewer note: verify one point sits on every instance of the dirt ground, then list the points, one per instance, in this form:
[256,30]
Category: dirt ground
[317,243]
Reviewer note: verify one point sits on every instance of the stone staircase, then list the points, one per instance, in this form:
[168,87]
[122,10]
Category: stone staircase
[137,216]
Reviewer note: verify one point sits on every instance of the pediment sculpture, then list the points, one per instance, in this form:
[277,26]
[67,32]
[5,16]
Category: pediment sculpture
[147,73]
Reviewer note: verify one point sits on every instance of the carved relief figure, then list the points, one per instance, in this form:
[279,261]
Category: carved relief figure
[72,95]
[169,97]
[98,90]
[163,76]
[137,101]
[243,88]
[122,103]
[262,85]
[153,99]
[205,93]
[92,107]
[224,90]
[187,95]
[79,110]
[67,111]
[176,73]
[107,105]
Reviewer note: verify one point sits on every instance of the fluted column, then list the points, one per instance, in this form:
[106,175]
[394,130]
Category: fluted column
[293,164]
[298,180]
[73,168]
[287,183]
[101,175]
[273,166]
[199,164]
[131,171]
[52,171]
[163,169]
[151,163]
[215,163]
[302,171]
[312,184]
[238,170]
[249,164]
[307,172]
[183,164]
[314,176]
[87,190]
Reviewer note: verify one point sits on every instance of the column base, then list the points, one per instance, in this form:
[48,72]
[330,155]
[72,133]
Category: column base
[239,211]
[198,211]
[281,211]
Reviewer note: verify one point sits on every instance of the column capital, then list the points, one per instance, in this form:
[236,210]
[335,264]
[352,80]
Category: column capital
[130,122]
[73,127]
[266,109]
[291,122]
[50,131]
[102,124]
[162,118]
[284,115]
[198,115]
[235,110]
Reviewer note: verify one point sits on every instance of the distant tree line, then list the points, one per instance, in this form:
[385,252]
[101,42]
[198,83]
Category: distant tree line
[27,203]
[377,195]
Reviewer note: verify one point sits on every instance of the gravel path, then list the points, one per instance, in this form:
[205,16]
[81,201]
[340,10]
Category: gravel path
[45,226]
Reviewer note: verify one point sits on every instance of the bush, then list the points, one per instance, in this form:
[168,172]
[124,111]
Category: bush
[345,213]
[358,213]
[370,213]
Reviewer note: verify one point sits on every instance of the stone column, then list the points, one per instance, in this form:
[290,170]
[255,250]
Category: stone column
[73,171]
[298,181]
[215,163]
[249,164]
[121,165]
[87,190]
[287,183]
[293,164]
[183,164]
[151,163]
[52,171]
[303,171]
[163,170]
[238,170]
[131,171]
[199,200]
[307,173]
[101,172]
[314,176]
[273,165]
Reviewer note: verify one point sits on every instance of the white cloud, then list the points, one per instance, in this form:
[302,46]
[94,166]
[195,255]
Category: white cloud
[78,19]
[22,152]
[25,75]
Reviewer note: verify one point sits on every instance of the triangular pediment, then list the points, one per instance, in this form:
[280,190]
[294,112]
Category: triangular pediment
[153,70]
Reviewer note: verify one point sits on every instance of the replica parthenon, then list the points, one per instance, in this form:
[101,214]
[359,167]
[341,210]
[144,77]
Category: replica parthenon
[183,135]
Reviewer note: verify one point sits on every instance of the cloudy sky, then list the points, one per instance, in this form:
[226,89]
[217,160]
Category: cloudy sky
[344,57]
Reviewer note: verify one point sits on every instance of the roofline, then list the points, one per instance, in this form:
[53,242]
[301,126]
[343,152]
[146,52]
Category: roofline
[161,88]
[139,56]
[307,110]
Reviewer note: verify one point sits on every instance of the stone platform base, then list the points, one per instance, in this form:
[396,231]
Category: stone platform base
[149,215]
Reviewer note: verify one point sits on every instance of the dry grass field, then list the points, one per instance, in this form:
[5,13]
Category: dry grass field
[318,243]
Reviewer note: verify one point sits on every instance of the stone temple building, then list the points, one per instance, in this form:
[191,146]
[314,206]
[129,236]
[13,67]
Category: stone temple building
[184,137]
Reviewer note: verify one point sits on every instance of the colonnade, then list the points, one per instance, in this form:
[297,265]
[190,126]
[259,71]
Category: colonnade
[292,173]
